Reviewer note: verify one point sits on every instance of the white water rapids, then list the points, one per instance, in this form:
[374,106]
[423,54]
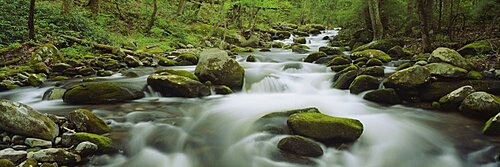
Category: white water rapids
[217,131]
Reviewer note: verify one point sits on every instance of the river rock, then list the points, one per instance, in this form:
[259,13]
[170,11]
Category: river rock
[217,67]
[12,155]
[276,122]
[85,149]
[277,44]
[177,86]
[34,142]
[399,52]
[6,163]
[59,155]
[339,60]
[183,73]
[222,90]
[302,146]
[371,53]
[325,128]
[450,56]
[54,93]
[299,40]
[446,70]
[481,104]
[46,53]
[344,80]
[86,121]
[250,58]
[18,118]
[492,126]
[478,47]
[408,78]
[435,90]
[363,83]
[374,62]
[382,44]
[30,162]
[37,79]
[314,56]
[101,93]
[132,61]
[331,51]
[384,96]
[455,98]
[104,144]
[186,59]
[376,71]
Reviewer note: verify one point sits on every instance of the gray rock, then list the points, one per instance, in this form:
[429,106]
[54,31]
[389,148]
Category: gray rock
[446,70]
[12,154]
[481,104]
[54,94]
[21,119]
[450,56]
[85,149]
[86,121]
[299,145]
[408,78]
[34,142]
[453,99]
[217,67]
[59,155]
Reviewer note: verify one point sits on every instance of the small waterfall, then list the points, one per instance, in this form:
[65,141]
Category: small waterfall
[270,84]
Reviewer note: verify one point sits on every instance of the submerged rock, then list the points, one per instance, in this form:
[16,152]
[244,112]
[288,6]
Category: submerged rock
[363,83]
[446,70]
[86,121]
[100,93]
[453,99]
[450,56]
[481,104]
[18,118]
[408,78]
[384,96]
[177,86]
[325,128]
[217,67]
[302,146]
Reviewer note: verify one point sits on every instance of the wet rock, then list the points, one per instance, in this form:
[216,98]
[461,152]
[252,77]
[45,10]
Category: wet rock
[363,83]
[59,155]
[163,61]
[12,155]
[481,104]
[104,144]
[61,67]
[404,66]
[54,93]
[384,45]
[41,67]
[455,98]
[37,79]
[100,93]
[222,90]
[344,80]
[408,78]
[339,60]
[299,40]
[277,44]
[30,162]
[371,53]
[34,142]
[250,58]
[177,86]
[301,49]
[374,62]
[186,59]
[325,128]
[6,163]
[7,85]
[331,51]
[384,96]
[450,56]
[399,52]
[302,146]
[420,57]
[276,122]
[435,90]
[85,149]
[132,61]
[446,70]
[475,75]
[314,56]
[376,71]
[183,73]
[217,67]
[86,121]
[18,118]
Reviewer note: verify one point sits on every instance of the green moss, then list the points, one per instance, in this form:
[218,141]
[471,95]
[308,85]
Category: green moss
[338,68]
[6,163]
[86,121]
[99,93]
[104,144]
[374,62]
[475,75]
[339,60]
[371,53]
[363,83]
[10,48]
[183,73]
[278,45]
[300,40]
[476,48]
[314,56]
[240,50]
[163,61]
[383,44]
[348,68]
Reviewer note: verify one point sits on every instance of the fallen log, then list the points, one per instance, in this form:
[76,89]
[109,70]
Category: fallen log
[98,46]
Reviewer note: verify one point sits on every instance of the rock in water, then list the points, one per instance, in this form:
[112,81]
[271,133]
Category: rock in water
[86,148]
[492,127]
[325,128]
[408,78]
[276,122]
[104,144]
[21,119]
[100,93]
[178,86]
[363,83]
[86,121]
[384,96]
[450,56]
[217,67]
[481,104]
[453,99]
[302,146]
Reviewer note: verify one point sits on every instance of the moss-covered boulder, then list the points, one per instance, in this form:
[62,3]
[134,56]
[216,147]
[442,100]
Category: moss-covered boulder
[437,89]
[339,60]
[7,85]
[54,93]
[277,44]
[344,80]
[371,53]
[324,128]
[163,61]
[18,118]
[404,66]
[453,99]
[86,121]
[104,144]
[301,146]
[132,61]
[177,86]
[446,70]
[253,41]
[183,73]
[383,45]
[100,93]
[61,67]
[450,56]
[314,56]
[420,57]
[60,156]
[374,62]
[46,53]
[222,90]
[186,59]
[301,49]
[376,71]
[408,78]
[384,96]
[338,68]
[217,67]
[331,51]
[492,126]
[251,58]
[363,83]
[276,122]
[6,163]
[41,67]
[399,52]
[37,79]
[478,47]
[475,75]
[481,104]
[300,40]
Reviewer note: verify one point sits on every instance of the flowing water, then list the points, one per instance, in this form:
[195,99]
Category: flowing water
[217,131]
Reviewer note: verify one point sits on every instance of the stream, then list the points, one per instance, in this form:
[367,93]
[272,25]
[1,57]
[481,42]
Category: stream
[217,131]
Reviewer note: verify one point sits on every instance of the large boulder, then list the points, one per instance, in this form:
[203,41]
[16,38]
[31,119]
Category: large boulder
[478,47]
[101,93]
[18,118]
[446,70]
[302,146]
[377,71]
[481,104]
[299,40]
[276,122]
[384,96]
[177,86]
[325,128]
[339,60]
[437,89]
[492,126]
[187,58]
[450,56]
[372,53]
[383,45]
[453,99]
[86,121]
[408,78]
[314,56]
[344,80]
[217,67]
[363,83]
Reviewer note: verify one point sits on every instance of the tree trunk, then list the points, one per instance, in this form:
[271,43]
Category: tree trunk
[378,28]
[440,16]
[153,16]
[180,7]
[410,7]
[425,13]
[94,6]
[66,6]
[368,20]
[31,21]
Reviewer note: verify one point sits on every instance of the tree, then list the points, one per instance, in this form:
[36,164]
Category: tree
[378,28]
[153,16]
[425,14]
[31,20]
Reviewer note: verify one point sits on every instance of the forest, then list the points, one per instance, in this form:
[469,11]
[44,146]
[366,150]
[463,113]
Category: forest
[250,83]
